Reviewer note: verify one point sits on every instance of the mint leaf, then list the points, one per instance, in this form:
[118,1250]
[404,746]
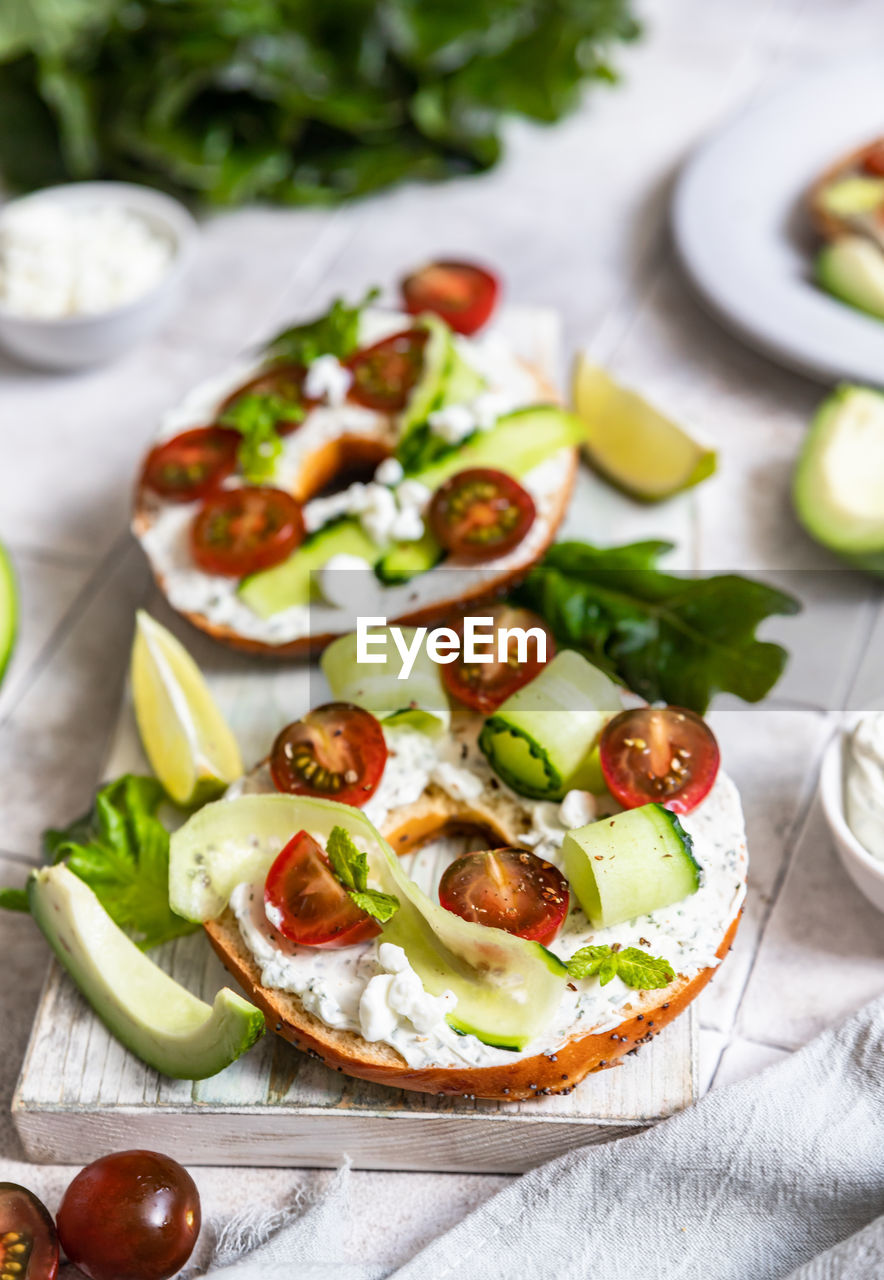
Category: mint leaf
[121,850]
[635,968]
[679,639]
[350,866]
[14,900]
[335,334]
[255,416]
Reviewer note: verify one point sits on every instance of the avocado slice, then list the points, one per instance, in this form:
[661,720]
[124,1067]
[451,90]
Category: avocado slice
[520,441]
[839,479]
[8,611]
[852,268]
[507,988]
[446,378]
[151,1014]
[853,196]
[292,583]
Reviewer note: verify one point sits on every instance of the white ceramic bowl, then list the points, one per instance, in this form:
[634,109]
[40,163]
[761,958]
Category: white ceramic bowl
[75,342]
[866,872]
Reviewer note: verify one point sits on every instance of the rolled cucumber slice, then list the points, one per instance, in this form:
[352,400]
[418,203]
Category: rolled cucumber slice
[418,701]
[629,865]
[507,988]
[151,1014]
[541,740]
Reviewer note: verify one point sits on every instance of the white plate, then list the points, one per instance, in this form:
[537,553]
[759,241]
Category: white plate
[741,231]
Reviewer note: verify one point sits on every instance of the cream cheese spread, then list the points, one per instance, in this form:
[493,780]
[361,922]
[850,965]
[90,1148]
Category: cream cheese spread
[864,783]
[332,984]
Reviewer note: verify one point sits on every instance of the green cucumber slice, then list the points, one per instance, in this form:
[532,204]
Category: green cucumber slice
[151,1014]
[630,865]
[8,611]
[507,988]
[446,378]
[292,582]
[540,741]
[519,442]
[406,560]
[418,701]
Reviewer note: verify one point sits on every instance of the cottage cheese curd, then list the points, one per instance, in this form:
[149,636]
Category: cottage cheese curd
[864,783]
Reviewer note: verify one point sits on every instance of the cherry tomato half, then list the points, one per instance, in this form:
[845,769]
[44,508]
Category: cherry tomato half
[383,375]
[336,751]
[480,513]
[509,889]
[191,465]
[463,294]
[283,380]
[667,755]
[306,902]
[873,159]
[133,1215]
[485,685]
[239,531]
[28,1243]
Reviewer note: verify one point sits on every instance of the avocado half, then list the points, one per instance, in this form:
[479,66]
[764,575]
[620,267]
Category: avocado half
[838,488]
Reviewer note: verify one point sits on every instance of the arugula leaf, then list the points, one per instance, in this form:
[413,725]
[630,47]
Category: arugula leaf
[121,850]
[633,967]
[14,900]
[335,334]
[255,416]
[675,638]
[350,865]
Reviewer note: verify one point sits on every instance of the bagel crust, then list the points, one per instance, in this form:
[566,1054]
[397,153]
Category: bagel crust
[543,1074]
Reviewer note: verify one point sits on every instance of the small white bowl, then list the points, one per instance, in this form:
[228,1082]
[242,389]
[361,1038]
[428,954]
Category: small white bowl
[76,342]
[866,871]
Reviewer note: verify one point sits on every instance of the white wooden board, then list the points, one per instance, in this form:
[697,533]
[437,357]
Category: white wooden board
[81,1093]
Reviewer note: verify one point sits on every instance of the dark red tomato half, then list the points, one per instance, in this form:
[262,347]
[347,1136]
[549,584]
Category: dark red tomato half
[133,1215]
[873,159]
[191,465]
[463,294]
[485,685]
[239,531]
[28,1243]
[480,513]
[306,902]
[509,889]
[384,375]
[666,755]
[336,752]
[283,380]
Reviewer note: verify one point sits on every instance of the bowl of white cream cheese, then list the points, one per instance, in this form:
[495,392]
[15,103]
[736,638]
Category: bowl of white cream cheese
[88,269]
[852,795]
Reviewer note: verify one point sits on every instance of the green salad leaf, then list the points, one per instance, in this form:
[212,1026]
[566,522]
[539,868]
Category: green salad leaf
[120,848]
[678,638]
[14,900]
[350,866]
[287,100]
[335,333]
[255,416]
[633,967]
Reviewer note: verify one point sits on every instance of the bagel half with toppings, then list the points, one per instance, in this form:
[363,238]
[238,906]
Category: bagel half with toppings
[370,461]
[532,941]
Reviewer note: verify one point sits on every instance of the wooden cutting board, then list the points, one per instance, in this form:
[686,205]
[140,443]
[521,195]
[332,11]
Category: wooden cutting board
[81,1093]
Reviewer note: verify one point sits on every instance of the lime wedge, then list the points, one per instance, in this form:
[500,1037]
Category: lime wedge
[188,742]
[8,611]
[631,443]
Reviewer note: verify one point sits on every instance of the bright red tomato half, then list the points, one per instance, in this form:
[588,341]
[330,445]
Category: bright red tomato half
[383,375]
[485,685]
[191,465]
[480,513]
[133,1215]
[239,531]
[336,751]
[28,1243]
[283,380]
[509,889]
[463,294]
[873,160]
[307,903]
[666,755]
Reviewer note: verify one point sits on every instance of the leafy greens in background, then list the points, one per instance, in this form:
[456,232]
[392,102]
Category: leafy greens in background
[671,637]
[121,850]
[288,100]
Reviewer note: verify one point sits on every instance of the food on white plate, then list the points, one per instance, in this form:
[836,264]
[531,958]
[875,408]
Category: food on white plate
[8,610]
[28,1238]
[847,208]
[444,931]
[864,782]
[632,443]
[838,486]
[151,1014]
[363,457]
[187,741]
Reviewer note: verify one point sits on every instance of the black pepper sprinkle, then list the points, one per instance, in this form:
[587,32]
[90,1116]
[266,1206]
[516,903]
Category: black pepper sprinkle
[665,1006]
[639,1017]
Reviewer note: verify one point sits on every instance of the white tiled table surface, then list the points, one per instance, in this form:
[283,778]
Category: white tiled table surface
[575,218]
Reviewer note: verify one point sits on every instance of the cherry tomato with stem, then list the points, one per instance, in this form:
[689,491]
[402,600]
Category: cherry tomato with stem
[385,374]
[480,513]
[28,1242]
[191,465]
[133,1215]
[485,685]
[306,902]
[462,294]
[239,531]
[511,889]
[336,751]
[662,755]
